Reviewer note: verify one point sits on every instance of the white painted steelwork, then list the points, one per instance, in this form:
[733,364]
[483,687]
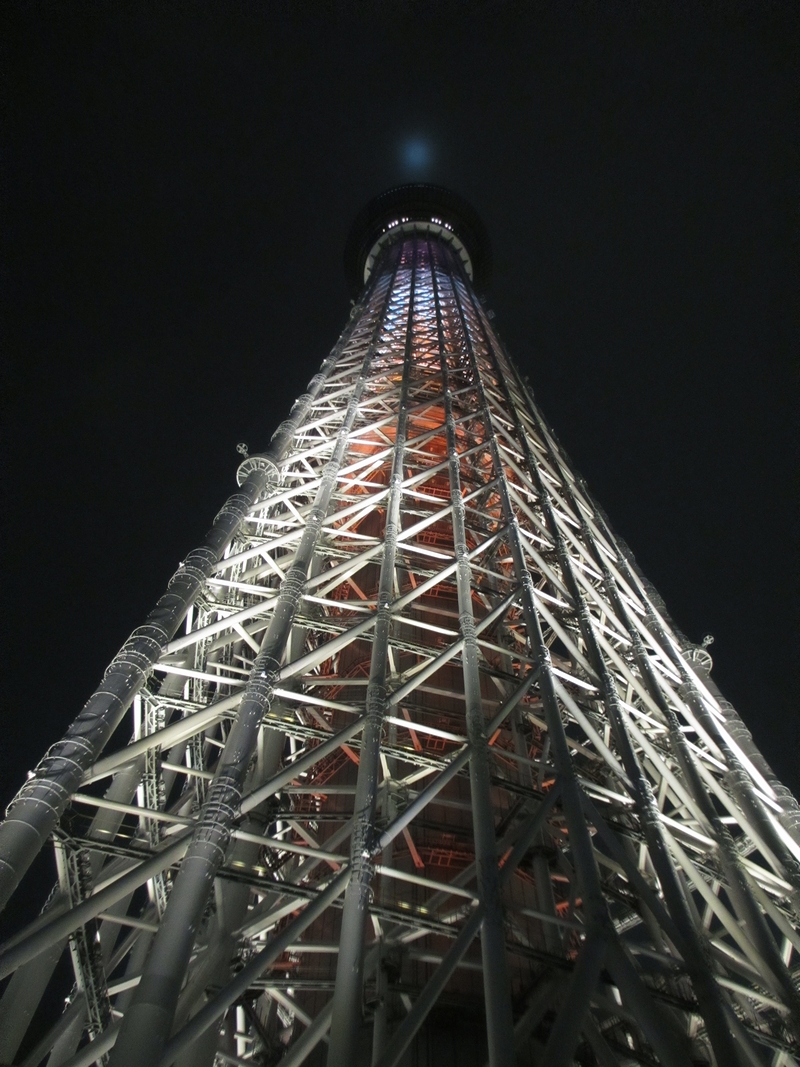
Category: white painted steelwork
[428,771]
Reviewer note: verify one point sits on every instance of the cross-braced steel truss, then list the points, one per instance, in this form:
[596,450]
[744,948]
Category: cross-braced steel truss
[409,762]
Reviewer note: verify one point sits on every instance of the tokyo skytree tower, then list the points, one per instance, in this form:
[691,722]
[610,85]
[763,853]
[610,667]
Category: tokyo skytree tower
[409,766]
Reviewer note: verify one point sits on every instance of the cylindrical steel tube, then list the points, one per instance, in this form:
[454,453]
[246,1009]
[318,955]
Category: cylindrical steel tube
[34,812]
[347,995]
[496,984]
[147,1023]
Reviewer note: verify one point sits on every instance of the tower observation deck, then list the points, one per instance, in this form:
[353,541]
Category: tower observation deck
[409,766]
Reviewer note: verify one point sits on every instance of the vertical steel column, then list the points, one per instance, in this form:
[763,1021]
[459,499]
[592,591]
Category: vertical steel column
[738,778]
[22,994]
[21,998]
[546,900]
[579,835]
[147,1023]
[34,812]
[693,950]
[410,1026]
[600,932]
[27,946]
[496,984]
[776,975]
[215,1008]
[71,1015]
[347,994]
[760,823]
[790,817]
[718,1018]
[380,1021]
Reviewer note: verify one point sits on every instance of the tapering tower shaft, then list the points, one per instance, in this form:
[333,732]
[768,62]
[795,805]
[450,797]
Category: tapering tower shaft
[419,766]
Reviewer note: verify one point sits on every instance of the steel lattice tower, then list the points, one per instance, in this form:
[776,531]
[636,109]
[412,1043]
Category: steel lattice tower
[409,765]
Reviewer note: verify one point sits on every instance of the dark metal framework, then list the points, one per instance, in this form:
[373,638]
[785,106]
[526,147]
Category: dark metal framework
[409,762]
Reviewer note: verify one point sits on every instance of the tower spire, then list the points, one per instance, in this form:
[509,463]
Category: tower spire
[409,762]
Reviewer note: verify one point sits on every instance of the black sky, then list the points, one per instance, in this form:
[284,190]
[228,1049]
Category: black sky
[178,184]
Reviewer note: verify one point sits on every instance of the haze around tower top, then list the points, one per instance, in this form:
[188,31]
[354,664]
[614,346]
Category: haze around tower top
[416,155]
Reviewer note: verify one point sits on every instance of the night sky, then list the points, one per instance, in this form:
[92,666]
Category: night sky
[178,186]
